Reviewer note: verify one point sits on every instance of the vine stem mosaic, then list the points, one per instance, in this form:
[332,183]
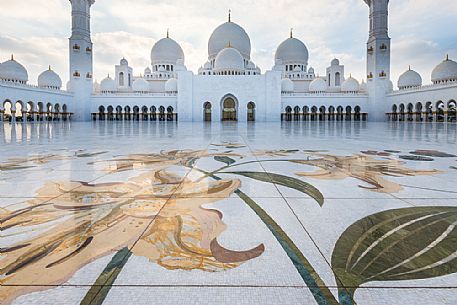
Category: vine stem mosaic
[159,215]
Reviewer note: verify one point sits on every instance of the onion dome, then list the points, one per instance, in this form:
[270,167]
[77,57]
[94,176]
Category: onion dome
[229,59]
[335,62]
[108,85]
[318,85]
[363,86]
[147,70]
[350,85]
[96,87]
[13,71]
[207,65]
[140,85]
[166,51]
[171,85]
[287,85]
[251,66]
[409,79]
[292,51]
[49,79]
[445,71]
[124,62]
[229,31]
[390,86]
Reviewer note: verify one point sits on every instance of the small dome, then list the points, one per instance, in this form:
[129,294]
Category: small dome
[96,87]
[207,65]
[166,51]
[229,59]
[445,71]
[251,66]
[409,79]
[11,70]
[363,87]
[390,86]
[147,70]
[335,62]
[171,85]
[49,79]
[124,62]
[292,50]
[350,85]
[311,70]
[287,85]
[232,32]
[108,85]
[318,85]
[140,85]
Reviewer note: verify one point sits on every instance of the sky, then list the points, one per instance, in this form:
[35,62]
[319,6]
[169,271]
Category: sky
[422,32]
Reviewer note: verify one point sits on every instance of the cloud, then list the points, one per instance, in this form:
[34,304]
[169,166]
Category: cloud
[422,33]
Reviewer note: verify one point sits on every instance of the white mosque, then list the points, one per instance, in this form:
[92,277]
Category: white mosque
[229,86]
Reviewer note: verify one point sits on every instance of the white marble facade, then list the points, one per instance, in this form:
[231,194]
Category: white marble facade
[229,86]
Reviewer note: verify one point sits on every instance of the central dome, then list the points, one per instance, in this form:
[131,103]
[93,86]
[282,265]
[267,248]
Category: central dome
[292,51]
[229,32]
[166,51]
[229,59]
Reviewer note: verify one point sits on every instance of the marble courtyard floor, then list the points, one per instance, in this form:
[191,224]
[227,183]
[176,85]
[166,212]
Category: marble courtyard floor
[293,213]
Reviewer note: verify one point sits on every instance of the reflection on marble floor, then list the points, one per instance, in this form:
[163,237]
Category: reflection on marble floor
[82,204]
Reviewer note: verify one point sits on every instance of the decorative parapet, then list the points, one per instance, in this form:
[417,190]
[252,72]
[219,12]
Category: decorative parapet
[324,94]
[31,87]
[133,94]
[430,87]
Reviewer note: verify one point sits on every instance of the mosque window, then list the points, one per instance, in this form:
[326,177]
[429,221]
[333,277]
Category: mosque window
[382,74]
[337,79]
[370,49]
[121,79]
[76,47]
[130,80]
[76,74]
[88,75]
[383,47]
[88,50]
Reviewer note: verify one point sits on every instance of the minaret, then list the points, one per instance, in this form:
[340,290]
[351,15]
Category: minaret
[378,58]
[81,61]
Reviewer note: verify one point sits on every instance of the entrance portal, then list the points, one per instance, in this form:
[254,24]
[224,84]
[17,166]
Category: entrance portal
[229,110]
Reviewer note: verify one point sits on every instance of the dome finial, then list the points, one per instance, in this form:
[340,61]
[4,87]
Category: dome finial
[50,68]
[291,33]
[447,57]
[230,15]
[350,75]
[409,68]
[229,44]
[12,56]
[168,33]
